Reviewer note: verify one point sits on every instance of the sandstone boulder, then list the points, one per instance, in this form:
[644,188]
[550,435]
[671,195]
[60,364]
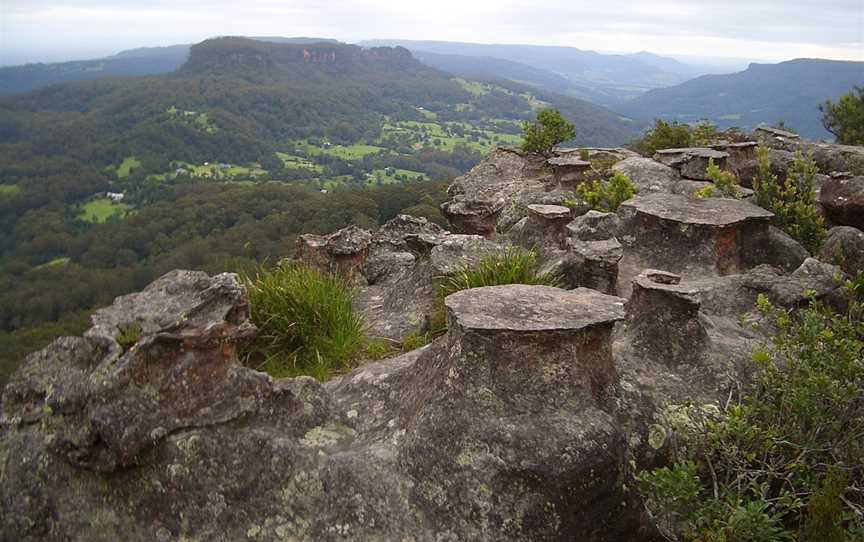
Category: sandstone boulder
[595,226]
[693,237]
[647,175]
[844,247]
[843,200]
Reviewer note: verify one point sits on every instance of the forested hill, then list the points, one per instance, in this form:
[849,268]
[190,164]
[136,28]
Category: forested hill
[764,93]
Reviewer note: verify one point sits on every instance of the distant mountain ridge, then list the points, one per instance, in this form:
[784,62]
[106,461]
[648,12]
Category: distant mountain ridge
[762,94]
[604,79]
[131,62]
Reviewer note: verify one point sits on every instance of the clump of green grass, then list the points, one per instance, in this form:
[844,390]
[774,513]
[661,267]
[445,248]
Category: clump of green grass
[128,335]
[306,321]
[511,266]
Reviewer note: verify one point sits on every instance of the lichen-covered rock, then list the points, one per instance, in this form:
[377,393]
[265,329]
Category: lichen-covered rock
[844,246]
[546,226]
[481,195]
[648,175]
[595,226]
[663,318]
[201,448]
[692,237]
[842,198]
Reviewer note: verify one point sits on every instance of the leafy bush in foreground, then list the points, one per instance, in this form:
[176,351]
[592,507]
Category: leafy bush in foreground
[786,462]
[512,266]
[794,201]
[306,320]
[607,196]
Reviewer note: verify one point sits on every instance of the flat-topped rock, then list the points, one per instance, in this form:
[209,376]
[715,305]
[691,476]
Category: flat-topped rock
[549,212]
[569,160]
[706,152]
[595,264]
[692,237]
[776,132]
[692,162]
[719,212]
[544,227]
[524,308]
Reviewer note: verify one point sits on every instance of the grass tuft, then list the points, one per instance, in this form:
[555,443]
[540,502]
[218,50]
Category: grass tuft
[306,320]
[512,266]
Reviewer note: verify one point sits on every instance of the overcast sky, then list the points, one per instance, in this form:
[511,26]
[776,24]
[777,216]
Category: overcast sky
[34,30]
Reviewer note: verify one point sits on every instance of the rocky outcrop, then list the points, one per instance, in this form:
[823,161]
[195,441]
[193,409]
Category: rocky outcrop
[199,447]
[828,156]
[525,421]
[479,198]
[342,252]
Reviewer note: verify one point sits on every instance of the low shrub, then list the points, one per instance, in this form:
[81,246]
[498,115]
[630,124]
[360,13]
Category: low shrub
[793,202]
[306,321]
[675,135]
[724,181]
[786,461]
[609,195]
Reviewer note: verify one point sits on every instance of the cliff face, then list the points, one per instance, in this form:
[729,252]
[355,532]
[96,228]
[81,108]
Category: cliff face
[246,56]
[524,422]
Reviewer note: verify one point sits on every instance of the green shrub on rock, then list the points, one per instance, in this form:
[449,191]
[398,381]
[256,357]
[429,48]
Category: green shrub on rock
[306,321]
[786,461]
[794,201]
[724,181]
[609,195]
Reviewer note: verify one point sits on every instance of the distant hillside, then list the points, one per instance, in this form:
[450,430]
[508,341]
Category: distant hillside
[253,96]
[600,78]
[476,67]
[762,94]
[134,62]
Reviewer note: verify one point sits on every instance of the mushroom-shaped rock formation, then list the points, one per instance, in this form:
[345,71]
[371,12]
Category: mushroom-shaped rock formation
[569,169]
[663,317]
[692,162]
[342,252]
[689,236]
[546,226]
[595,264]
[534,363]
